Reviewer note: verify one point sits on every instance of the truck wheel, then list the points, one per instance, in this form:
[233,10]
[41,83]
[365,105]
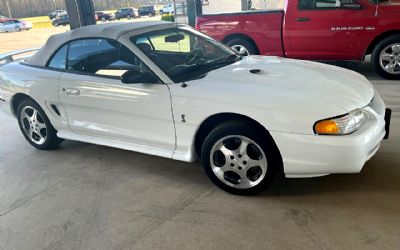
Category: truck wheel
[386,58]
[242,46]
[240,158]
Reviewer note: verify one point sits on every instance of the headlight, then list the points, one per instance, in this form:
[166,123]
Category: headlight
[341,125]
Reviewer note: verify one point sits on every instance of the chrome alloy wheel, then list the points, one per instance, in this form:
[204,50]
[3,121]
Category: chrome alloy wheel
[389,59]
[241,50]
[238,162]
[33,125]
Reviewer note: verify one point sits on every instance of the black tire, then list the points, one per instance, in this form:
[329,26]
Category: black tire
[376,57]
[248,130]
[252,50]
[129,17]
[51,141]
[103,19]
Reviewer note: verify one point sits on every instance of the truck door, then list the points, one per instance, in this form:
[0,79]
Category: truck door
[327,29]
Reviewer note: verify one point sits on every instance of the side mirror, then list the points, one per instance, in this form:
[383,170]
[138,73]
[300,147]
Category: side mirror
[136,76]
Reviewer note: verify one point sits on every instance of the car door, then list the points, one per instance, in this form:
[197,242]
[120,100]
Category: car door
[99,105]
[325,29]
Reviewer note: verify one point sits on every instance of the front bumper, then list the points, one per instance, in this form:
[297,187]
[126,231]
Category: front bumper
[318,155]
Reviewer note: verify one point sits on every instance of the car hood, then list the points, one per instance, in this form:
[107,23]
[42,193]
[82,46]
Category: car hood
[294,81]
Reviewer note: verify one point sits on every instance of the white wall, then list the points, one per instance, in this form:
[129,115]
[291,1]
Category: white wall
[226,6]
[222,6]
[268,4]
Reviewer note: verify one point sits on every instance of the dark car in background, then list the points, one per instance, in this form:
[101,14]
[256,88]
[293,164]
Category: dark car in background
[126,13]
[150,10]
[103,16]
[57,13]
[61,20]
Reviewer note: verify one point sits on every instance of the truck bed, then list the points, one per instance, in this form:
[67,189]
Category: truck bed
[252,24]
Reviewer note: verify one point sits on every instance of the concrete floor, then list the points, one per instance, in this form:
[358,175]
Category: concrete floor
[84,196]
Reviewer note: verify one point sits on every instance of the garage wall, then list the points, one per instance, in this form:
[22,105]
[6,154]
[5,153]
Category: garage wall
[222,6]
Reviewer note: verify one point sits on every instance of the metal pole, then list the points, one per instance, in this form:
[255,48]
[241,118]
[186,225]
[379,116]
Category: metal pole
[8,8]
[175,12]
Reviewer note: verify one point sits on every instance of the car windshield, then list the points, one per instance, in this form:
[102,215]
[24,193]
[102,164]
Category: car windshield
[184,54]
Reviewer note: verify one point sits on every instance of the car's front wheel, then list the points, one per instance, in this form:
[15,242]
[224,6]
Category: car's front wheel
[240,158]
[36,127]
[386,58]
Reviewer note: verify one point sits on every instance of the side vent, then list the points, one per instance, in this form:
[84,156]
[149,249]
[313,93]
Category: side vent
[55,109]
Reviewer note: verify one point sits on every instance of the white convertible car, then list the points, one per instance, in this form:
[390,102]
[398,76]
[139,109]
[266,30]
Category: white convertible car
[167,90]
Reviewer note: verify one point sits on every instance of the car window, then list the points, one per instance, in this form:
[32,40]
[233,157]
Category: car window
[184,54]
[324,4]
[59,58]
[102,57]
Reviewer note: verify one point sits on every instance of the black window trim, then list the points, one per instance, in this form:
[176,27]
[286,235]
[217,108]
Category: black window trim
[76,72]
[330,8]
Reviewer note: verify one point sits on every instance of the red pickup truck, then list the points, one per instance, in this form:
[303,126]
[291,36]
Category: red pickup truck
[321,30]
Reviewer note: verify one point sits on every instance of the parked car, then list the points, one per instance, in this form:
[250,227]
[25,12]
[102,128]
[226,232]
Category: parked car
[316,30]
[61,20]
[190,96]
[103,16]
[167,9]
[54,14]
[150,10]
[15,25]
[127,13]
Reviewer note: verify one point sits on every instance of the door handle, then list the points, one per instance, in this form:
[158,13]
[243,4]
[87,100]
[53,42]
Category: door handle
[72,91]
[303,19]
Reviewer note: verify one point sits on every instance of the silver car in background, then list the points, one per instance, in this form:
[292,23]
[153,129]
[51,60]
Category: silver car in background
[15,25]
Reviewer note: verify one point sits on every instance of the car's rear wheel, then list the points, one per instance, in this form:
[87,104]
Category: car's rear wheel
[242,46]
[386,58]
[240,158]
[103,19]
[129,17]
[36,127]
